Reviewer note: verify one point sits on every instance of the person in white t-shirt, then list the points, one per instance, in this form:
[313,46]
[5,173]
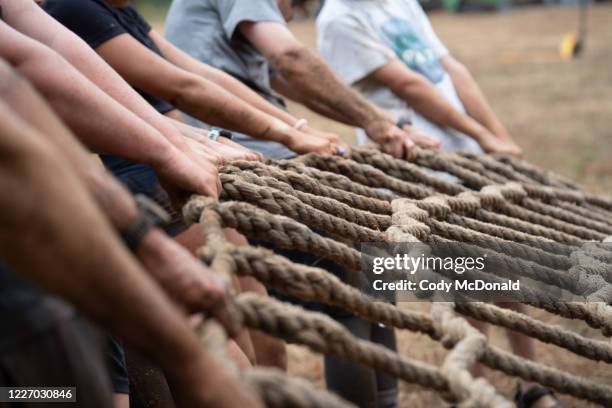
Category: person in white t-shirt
[387,50]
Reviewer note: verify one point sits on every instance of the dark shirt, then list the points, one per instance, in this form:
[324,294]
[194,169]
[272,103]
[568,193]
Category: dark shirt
[24,309]
[97,22]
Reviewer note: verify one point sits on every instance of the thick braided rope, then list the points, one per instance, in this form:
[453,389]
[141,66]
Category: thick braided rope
[278,202]
[335,180]
[596,314]
[593,314]
[308,184]
[466,346]
[336,289]
[278,390]
[314,284]
[403,170]
[496,166]
[241,188]
[324,335]
[373,177]
[274,388]
[282,231]
[536,174]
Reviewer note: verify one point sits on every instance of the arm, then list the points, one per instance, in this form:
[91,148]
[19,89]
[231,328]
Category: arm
[280,85]
[198,96]
[229,83]
[421,95]
[309,76]
[118,295]
[29,19]
[103,124]
[183,277]
[472,97]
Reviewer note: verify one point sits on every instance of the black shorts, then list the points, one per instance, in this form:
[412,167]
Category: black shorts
[67,354]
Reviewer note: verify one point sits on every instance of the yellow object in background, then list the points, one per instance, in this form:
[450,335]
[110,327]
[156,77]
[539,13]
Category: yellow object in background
[569,46]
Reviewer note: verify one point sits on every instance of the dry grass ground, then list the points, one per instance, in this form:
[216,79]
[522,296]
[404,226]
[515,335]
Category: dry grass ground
[559,112]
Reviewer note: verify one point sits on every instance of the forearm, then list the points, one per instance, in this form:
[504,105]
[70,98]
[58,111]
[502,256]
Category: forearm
[226,81]
[100,122]
[313,79]
[429,102]
[113,199]
[30,19]
[212,104]
[84,262]
[283,88]
[474,100]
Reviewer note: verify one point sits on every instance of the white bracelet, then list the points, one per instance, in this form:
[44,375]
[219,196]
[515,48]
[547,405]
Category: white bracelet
[300,124]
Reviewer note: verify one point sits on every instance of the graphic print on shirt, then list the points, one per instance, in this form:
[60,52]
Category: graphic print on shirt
[411,49]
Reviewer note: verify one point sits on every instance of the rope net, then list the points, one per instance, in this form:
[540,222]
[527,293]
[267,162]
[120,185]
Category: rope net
[532,221]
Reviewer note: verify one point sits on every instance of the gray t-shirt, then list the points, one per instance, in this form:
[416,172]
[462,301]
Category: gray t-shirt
[208,31]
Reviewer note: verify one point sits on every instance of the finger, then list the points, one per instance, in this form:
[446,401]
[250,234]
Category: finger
[229,317]
[409,147]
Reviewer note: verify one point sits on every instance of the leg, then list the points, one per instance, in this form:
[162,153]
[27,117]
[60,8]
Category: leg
[351,381]
[524,346]
[387,391]
[268,350]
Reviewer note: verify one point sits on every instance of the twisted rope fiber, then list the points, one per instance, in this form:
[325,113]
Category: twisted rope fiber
[496,166]
[587,210]
[457,232]
[277,202]
[248,187]
[308,184]
[566,222]
[279,230]
[326,336]
[314,284]
[408,215]
[241,188]
[403,170]
[553,248]
[373,177]
[593,314]
[538,175]
[333,179]
[496,198]
[398,169]
[596,314]
[504,364]
[274,387]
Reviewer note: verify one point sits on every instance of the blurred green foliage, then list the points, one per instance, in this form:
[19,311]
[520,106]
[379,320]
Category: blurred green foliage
[153,10]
